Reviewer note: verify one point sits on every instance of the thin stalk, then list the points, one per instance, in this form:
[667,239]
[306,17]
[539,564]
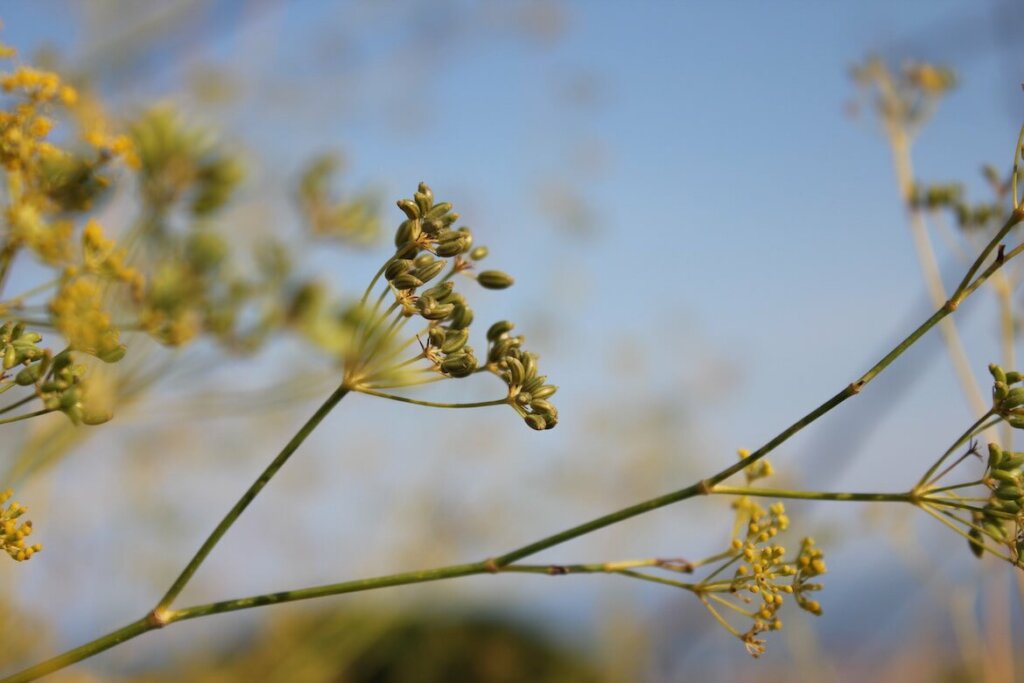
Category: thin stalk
[430,404]
[960,531]
[722,601]
[733,559]
[136,628]
[719,618]
[1016,167]
[813,495]
[953,487]
[18,404]
[250,493]
[900,143]
[26,416]
[971,431]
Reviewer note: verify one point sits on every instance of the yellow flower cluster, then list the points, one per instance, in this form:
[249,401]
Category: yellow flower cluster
[763,565]
[13,533]
[79,315]
[102,256]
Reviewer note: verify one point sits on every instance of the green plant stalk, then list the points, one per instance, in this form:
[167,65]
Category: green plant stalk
[26,416]
[430,404]
[18,404]
[243,502]
[137,628]
[975,428]
[814,495]
[499,563]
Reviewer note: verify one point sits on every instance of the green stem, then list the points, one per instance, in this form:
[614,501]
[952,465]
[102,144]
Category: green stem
[26,416]
[136,628]
[430,404]
[978,426]
[248,496]
[954,487]
[1016,158]
[813,495]
[18,404]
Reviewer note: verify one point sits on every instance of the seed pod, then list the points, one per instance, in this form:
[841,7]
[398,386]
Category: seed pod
[530,365]
[535,384]
[10,357]
[441,292]
[999,391]
[1014,398]
[409,207]
[62,360]
[397,267]
[539,405]
[976,542]
[546,391]
[495,331]
[406,281]
[408,231]
[478,253]
[1011,506]
[1006,476]
[523,398]
[436,337]
[407,251]
[29,375]
[424,197]
[467,238]
[438,210]
[462,317]
[494,279]
[113,355]
[1011,461]
[1009,492]
[516,373]
[1012,377]
[428,272]
[995,531]
[433,227]
[449,249]
[431,310]
[997,373]
[454,340]
[461,365]
[536,422]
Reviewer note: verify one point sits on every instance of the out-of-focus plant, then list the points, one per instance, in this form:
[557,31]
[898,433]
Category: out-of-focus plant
[170,277]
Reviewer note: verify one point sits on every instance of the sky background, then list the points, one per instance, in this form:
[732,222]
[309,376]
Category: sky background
[707,244]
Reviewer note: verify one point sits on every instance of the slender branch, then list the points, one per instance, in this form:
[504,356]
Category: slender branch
[18,404]
[136,628]
[430,404]
[243,502]
[26,416]
[813,495]
[926,478]
[900,143]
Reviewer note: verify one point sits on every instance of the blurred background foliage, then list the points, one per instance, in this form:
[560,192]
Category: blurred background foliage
[678,299]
